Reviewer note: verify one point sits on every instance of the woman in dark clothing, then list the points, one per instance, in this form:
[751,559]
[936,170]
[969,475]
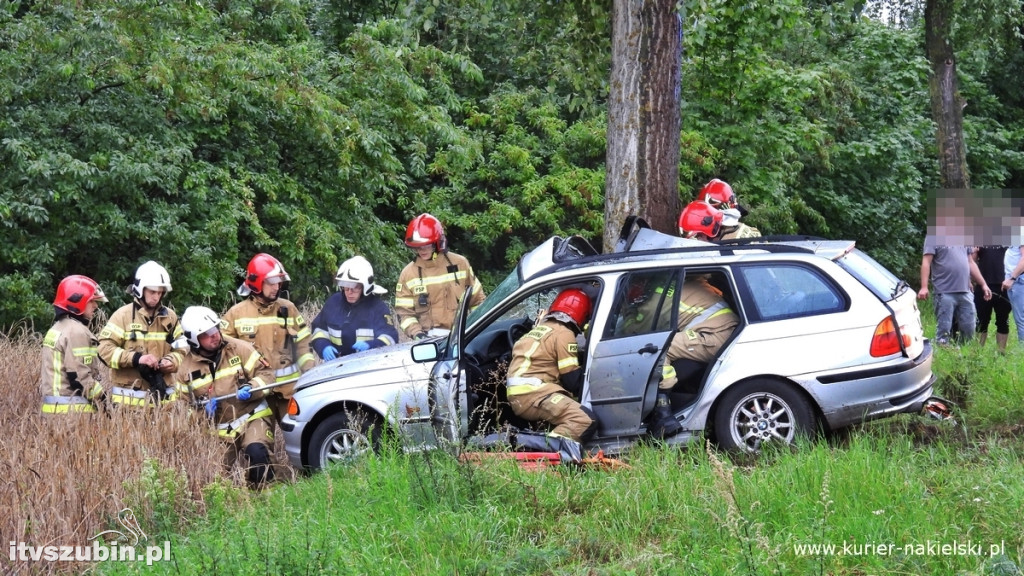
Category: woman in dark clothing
[990,262]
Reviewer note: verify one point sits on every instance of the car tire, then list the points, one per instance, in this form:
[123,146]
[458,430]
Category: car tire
[752,413]
[344,437]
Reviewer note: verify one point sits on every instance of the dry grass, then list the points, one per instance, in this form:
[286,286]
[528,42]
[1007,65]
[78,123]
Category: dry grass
[66,477]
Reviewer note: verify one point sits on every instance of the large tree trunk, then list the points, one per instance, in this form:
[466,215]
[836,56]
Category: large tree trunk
[947,106]
[642,173]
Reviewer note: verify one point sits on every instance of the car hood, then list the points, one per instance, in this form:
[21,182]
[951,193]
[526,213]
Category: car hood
[389,365]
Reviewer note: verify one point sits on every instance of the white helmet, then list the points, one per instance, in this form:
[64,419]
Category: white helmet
[357,270]
[197,320]
[150,275]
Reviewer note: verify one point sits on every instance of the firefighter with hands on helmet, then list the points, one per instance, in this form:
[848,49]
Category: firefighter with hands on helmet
[218,366]
[701,221]
[273,325]
[71,379]
[545,375]
[704,324]
[430,287]
[141,341]
[354,319]
[719,194]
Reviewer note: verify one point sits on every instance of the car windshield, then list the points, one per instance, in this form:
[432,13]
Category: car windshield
[509,285]
[872,275]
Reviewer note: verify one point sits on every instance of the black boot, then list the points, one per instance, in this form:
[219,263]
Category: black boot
[663,421]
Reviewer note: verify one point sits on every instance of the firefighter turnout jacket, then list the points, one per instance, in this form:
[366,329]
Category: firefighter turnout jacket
[705,322]
[236,364]
[341,324]
[70,379]
[740,230]
[278,332]
[131,334]
[428,292]
[545,362]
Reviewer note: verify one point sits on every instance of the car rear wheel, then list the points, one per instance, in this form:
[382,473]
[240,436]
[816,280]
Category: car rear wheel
[753,413]
[343,438]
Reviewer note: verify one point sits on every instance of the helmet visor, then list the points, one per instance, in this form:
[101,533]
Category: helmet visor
[346,285]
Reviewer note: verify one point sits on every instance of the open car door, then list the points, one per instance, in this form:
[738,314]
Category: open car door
[447,384]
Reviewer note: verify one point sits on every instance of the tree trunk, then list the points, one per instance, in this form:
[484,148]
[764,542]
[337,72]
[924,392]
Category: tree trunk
[947,105]
[642,167]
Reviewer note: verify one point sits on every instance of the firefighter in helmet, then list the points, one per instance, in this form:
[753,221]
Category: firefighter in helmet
[430,287]
[224,376]
[70,378]
[143,341]
[355,318]
[273,325]
[545,376]
[719,194]
[701,221]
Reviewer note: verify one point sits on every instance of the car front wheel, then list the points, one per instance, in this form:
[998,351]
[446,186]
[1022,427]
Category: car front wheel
[342,438]
[753,413]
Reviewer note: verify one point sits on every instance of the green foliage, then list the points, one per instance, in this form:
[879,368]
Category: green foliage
[159,498]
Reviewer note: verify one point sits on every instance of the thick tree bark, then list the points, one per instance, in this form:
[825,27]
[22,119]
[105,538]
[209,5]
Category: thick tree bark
[947,105]
[642,167]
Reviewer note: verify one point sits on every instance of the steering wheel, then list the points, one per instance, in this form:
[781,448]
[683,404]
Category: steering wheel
[517,331]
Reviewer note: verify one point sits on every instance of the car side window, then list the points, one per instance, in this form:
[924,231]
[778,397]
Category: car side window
[643,304]
[787,291]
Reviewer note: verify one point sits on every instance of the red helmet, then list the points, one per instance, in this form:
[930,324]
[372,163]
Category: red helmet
[575,303]
[264,268]
[700,218]
[425,230]
[719,194]
[74,292]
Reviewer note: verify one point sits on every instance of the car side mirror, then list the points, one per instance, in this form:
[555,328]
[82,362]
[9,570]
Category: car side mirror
[426,351]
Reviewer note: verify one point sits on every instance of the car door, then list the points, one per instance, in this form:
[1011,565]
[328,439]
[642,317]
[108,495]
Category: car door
[625,365]
[447,385]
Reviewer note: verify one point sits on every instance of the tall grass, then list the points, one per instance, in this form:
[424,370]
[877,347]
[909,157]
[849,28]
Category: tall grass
[66,477]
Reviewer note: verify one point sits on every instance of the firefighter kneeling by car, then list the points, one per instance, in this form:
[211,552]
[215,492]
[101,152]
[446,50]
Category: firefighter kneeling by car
[544,373]
[218,366]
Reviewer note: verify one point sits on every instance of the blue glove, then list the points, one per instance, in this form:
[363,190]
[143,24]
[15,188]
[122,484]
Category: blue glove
[244,393]
[330,353]
[211,407]
[361,346]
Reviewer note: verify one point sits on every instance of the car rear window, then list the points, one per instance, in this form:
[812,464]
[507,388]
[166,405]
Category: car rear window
[781,291]
[873,275]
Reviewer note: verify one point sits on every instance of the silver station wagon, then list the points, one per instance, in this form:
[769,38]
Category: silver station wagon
[827,337]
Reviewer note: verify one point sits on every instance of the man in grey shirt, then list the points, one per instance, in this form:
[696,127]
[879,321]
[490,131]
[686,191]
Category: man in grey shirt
[951,269]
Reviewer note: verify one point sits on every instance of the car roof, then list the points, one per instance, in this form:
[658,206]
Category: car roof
[638,242]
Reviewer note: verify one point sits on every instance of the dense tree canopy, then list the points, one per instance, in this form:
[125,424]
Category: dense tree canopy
[199,133]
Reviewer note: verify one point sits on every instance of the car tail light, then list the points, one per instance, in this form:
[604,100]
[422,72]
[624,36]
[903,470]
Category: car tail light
[885,341]
[293,407]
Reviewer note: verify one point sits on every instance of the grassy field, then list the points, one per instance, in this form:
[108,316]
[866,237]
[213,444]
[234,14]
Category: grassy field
[901,496]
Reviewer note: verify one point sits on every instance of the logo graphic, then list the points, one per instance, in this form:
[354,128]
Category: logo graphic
[126,517]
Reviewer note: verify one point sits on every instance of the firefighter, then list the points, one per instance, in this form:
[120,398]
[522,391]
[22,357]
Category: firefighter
[719,194]
[430,287]
[273,325]
[545,374]
[701,221]
[216,366]
[354,319]
[71,380]
[142,341]
[704,324]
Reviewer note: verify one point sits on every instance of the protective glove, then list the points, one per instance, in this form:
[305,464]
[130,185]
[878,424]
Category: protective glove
[211,407]
[244,393]
[361,346]
[330,353]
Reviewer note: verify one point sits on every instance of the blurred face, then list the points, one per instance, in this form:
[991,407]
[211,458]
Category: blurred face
[352,292]
[210,340]
[271,289]
[90,309]
[424,252]
[151,298]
